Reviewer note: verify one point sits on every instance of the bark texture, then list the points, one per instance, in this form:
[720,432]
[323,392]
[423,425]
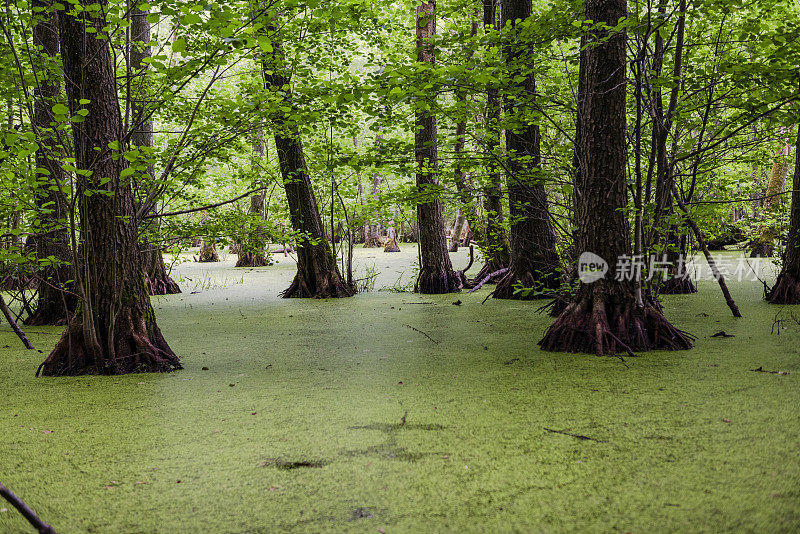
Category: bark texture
[495,244]
[55,305]
[157,278]
[436,274]
[317,273]
[114,329]
[534,260]
[787,287]
[603,317]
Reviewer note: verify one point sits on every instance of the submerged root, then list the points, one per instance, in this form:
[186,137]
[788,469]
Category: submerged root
[785,291]
[591,326]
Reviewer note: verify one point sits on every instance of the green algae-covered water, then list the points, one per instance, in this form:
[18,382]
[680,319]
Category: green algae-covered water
[395,412]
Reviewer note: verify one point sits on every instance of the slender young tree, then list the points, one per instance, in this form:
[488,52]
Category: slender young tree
[114,329]
[534,260]
[317,273]
[436,274]
[57,301]
[603,316]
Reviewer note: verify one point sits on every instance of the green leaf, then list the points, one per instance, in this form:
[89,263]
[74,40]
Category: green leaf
[179,45]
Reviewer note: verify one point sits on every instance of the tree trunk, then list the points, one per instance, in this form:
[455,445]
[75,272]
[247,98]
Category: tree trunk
[436,274]
[208,252]
[159,282]
[463,185]
[54,306]
[114,329]
[317,273]
[372,235]
[602,317]
[251,251]
[391,240]
[534,260]
[764,245]
[787,287]
[495,245]
[458,230]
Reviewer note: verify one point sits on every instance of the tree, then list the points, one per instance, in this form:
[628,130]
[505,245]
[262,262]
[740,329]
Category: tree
[114,329]
[56,299]
[158,281]
[495,244]
[317,273]
[787,287]
[436,274]
[534,260]
[603,317]
[763,246]
[252,250]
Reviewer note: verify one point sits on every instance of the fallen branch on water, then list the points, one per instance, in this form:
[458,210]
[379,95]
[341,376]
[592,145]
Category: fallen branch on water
[27,513]
[579,436]
[423,333]
[489,276]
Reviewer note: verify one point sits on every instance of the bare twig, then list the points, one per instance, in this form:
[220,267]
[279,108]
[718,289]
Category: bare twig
[579,436]
[423,333]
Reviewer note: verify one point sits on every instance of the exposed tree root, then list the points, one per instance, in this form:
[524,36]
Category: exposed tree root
[328,286]
[539,287]
[391,246]
[785,291]
[597,323]
[208,253]
[489,268]
[373,241]
[439,282]
[248,259]
[678,285]
[135,351]
[163,285]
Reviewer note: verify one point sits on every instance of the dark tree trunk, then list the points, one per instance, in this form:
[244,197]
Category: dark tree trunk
[251,251]
[317,273]
[602,317]
[159,282]
[534,260]
[54,305]
[463,186]
[495,245]
[114,329]
[787,287]
[436,274]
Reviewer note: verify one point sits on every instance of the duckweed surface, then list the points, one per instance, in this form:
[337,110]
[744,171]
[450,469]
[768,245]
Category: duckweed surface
[406,413]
